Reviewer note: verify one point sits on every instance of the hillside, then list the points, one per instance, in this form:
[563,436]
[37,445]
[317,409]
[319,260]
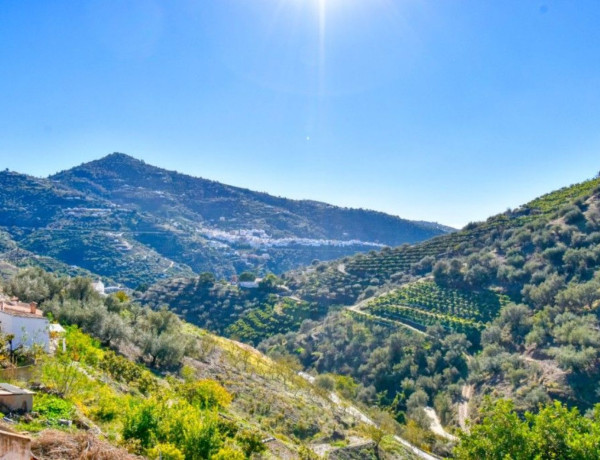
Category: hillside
[127,387]
[523,286]
[172,195]
[53,226]
[508,307]
[135,224]
[433,334]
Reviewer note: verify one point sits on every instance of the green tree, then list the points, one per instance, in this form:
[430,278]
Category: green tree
[500,435]
[247,276]
[555,432]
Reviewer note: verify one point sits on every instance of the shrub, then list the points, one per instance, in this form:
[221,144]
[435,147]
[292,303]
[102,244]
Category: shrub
[229,453]
[205,394]
[53,408]
[165,451]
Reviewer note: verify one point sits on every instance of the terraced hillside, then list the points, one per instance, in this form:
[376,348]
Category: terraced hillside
[250,315]
[423,304]
[135,224]
[132,183]
[524,287]
[516,298]
[495,254]
[56,227]
[345,281]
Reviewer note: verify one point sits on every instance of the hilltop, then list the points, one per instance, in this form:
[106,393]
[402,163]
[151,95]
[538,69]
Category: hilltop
[135,224]
[129,182]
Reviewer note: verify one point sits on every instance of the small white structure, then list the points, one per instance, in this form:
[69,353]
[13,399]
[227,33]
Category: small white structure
[26,323]
[248,284]
[99,287]
[57,338]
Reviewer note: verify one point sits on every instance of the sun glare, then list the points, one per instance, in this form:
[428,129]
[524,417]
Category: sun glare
[322,27]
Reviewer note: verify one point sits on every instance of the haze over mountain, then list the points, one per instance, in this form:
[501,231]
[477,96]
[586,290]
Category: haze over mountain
[134,223]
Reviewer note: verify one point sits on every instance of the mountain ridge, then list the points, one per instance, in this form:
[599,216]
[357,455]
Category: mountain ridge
[116,163]
[134,224]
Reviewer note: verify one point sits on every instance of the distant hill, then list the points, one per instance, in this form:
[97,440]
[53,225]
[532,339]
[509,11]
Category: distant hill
[135,224]
[132,183]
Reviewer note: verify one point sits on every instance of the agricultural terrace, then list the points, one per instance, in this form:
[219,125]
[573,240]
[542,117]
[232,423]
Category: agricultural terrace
[425,304]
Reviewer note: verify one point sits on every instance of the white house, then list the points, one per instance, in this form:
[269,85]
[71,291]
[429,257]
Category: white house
[248,284]
[26,323]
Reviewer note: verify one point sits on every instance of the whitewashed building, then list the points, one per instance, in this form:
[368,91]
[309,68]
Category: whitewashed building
[99,287]
[26,323]
[248,284]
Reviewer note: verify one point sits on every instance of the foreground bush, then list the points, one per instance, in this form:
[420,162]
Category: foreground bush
[555,432]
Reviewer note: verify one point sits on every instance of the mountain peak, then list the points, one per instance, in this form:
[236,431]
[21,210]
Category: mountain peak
[118,157]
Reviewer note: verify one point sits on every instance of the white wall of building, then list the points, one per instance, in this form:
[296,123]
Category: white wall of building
[27,330]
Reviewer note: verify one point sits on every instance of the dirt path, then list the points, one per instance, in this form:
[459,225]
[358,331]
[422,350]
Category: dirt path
[358,415]
[436,425]
[169,267]
[463,407]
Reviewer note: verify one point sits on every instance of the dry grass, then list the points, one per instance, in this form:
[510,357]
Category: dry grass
[55,445]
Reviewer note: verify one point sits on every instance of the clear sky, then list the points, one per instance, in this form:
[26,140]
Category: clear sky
[438,110]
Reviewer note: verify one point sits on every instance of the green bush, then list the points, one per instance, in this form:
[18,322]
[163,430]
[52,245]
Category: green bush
[53,408]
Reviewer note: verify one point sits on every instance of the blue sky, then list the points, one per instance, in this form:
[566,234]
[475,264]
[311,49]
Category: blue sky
[437,110]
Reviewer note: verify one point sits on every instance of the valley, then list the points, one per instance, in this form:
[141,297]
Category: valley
[392,353]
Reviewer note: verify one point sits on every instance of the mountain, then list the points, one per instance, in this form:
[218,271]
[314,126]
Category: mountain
[128,182]
[436,334]
[134,224]
[54,226]
[508,307]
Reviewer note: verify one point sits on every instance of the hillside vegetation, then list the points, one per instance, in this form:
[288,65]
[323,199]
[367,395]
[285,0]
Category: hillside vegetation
[135,224]
[508,308]
[155,386]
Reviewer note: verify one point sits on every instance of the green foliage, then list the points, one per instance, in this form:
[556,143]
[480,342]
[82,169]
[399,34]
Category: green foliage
[121,369]
[33,285]
[247,276]
[142,422]
[108,406]
[63,375]
[52,408]
[113,320]
[205,394]
[165,452]
[267,320]
[554,432]
[156,420]
[229,453]
[425,304]
[250,442]
[376,364]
